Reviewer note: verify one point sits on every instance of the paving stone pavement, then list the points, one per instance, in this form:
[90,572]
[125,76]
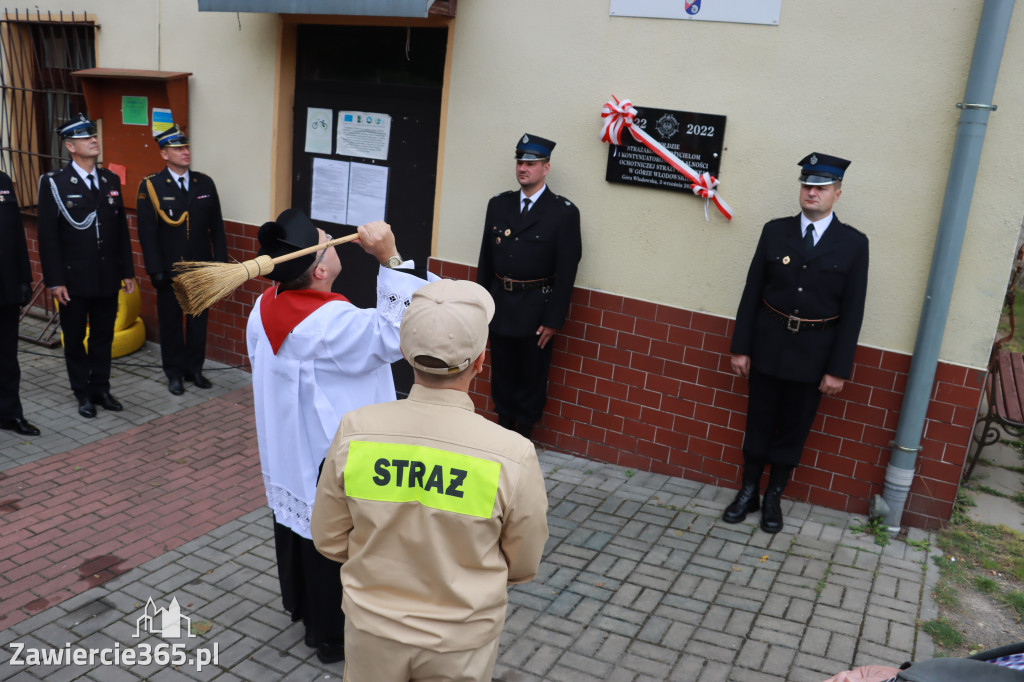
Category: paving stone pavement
[640,579]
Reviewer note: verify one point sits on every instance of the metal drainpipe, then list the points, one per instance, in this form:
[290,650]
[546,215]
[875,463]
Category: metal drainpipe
[963,171]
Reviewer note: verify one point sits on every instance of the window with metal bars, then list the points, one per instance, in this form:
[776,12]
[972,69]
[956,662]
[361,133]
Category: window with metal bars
[39,53]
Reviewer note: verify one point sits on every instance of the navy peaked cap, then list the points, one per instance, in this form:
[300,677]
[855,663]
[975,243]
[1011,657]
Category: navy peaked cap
[821,169]
[172,137]
[78,127]
[533,148]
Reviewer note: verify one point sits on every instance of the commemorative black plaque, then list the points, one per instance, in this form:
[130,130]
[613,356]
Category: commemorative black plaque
[696,139]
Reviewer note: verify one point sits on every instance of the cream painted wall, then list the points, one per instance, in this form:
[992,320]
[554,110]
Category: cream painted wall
[231,58]
[876,82]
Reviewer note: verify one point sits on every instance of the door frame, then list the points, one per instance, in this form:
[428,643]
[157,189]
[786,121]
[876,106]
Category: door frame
[284,100]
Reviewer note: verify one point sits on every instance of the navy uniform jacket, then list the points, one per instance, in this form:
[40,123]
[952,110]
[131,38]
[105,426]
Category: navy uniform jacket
[545,242]
[163,244]
[90,262]
[831,281]
[15,270]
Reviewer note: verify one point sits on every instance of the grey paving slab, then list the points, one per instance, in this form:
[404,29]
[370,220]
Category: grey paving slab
[136,380]
[640,580]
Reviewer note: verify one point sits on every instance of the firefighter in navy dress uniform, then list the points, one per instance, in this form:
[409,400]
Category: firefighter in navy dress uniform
[796,332]
[86,254]
[15,292]
[531,249]
[179,219]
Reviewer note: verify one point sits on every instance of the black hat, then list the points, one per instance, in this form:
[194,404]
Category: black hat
[533,148]
[78,127]
[290,232]
[821,169]
[172,137]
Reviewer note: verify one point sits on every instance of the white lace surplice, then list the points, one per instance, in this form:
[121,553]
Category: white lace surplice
[337,359]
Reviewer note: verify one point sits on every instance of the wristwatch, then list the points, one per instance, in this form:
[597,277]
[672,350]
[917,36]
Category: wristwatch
[393,262]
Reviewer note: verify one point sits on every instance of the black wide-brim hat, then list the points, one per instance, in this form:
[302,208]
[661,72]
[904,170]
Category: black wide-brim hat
[292,231]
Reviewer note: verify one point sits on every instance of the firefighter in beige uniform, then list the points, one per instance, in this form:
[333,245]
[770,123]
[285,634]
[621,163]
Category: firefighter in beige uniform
[432,509]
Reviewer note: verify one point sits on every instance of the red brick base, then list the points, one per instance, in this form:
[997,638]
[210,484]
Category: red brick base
[649,387]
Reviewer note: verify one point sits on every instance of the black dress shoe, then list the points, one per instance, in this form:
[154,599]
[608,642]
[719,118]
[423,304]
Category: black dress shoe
[86,408]
[175,386]
[199,380]
[331,653]
[19,425]
[107,402]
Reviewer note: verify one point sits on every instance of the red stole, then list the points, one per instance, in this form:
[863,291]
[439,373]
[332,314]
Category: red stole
[282,311]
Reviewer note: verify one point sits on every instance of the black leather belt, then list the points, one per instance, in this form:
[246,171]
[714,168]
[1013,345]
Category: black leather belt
[510,284]
[796,324]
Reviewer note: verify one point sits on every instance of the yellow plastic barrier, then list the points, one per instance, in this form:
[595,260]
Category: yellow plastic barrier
[129,329]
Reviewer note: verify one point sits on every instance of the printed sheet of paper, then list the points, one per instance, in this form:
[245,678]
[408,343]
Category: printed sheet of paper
[162,120]
[330,191]
[318,130]
[367,194]
[364,134]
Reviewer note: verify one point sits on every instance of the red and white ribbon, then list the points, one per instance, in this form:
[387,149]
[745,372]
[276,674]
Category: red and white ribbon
[619,114]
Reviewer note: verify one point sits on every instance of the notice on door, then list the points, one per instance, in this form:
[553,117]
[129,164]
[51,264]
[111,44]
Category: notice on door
[367,193]
[330,191]
[318,131]
[363,134]
[348,193]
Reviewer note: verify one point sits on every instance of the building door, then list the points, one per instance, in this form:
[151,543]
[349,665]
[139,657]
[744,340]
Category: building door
[379,89]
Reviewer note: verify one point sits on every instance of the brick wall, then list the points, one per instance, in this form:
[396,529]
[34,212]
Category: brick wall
[649,387]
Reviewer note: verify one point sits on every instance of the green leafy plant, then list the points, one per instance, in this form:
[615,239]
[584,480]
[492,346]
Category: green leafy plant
[875,528]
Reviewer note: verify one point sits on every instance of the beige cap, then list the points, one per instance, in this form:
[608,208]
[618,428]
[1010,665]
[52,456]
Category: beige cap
[447,320]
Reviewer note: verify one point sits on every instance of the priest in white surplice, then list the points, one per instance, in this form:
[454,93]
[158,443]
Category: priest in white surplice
[314,357]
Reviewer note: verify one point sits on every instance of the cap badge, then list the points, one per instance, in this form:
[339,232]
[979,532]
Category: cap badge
[526,138]
[785,260]
[813,160]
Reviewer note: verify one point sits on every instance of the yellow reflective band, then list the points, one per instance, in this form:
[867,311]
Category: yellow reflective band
[449,481]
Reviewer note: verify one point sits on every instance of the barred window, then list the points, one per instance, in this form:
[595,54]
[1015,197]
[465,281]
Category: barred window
[39,52]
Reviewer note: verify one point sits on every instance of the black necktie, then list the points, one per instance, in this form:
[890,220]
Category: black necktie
[526,205]
[809,238]
[92,185]
[181,183]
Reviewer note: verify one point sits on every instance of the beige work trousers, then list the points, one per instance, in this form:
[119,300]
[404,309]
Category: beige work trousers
[369,658]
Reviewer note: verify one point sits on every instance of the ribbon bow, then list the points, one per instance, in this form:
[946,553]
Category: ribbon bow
[619,114]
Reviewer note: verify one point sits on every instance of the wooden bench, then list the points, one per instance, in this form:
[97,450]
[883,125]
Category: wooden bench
[1004,393]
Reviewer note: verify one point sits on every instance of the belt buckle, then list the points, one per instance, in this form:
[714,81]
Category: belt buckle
[790,323]
[507,283]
